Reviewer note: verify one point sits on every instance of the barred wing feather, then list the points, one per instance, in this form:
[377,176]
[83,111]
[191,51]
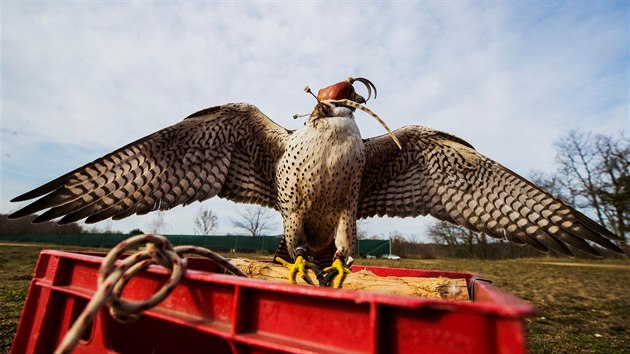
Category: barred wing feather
[443,176]
[228,150]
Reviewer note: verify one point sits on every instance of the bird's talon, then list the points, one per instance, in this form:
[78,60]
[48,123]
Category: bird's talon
[282,261]
[342,272]
[300,267]
[307,279]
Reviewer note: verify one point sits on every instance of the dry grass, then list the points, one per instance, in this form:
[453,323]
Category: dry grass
[17,263]
[583,306]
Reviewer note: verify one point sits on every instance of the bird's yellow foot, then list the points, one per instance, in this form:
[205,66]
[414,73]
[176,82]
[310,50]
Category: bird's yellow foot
[300,267]
[341,270]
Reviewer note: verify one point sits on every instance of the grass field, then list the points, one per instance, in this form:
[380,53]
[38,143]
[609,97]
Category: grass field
[583,306]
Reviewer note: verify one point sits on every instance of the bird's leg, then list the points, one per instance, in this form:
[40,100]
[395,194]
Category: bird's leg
[299,267]
[345,241]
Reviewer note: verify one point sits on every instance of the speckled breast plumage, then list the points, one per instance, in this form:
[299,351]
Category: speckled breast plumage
[319,178]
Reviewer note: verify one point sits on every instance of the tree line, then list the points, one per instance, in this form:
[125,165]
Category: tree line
[256,221]
[25,225]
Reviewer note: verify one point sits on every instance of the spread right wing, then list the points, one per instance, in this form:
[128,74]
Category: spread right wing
[439,174]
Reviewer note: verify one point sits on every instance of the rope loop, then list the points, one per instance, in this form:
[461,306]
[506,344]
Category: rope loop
[159,251]
[114,274]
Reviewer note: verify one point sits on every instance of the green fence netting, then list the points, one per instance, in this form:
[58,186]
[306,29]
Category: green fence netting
[219,243]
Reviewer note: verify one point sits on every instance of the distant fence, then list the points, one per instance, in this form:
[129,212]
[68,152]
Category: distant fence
[218,243]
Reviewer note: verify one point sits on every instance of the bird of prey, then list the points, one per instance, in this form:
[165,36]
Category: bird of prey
[321,177]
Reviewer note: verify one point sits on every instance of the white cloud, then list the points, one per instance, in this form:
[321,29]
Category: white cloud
[82,79]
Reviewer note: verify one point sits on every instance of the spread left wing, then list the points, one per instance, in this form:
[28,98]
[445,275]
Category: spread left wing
[439,174]
[230,151]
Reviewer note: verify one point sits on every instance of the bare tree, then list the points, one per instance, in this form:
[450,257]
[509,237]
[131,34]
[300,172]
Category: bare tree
[104,227]
[158,224]
[614,187]
[593,175]
[255,220]
[362,232]
[414,238]
[550,183]
[443,232]
[466,242]
[25,225]
[397,236]
[205,222]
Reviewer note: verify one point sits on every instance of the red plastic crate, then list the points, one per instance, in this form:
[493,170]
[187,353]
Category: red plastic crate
[210,312]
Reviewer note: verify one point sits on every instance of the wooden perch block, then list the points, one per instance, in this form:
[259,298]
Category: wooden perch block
[364,280]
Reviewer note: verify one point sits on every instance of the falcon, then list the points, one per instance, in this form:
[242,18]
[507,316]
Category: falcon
[321,177]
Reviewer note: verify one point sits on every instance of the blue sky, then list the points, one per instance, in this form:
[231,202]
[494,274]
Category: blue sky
[80,79]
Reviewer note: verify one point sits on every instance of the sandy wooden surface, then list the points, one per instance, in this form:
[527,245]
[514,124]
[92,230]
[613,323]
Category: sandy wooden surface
[364,280]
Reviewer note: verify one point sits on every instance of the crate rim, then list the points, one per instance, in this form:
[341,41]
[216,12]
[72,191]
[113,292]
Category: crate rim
[505,305]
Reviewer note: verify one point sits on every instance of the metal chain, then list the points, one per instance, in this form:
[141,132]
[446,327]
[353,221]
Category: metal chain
[113,277]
